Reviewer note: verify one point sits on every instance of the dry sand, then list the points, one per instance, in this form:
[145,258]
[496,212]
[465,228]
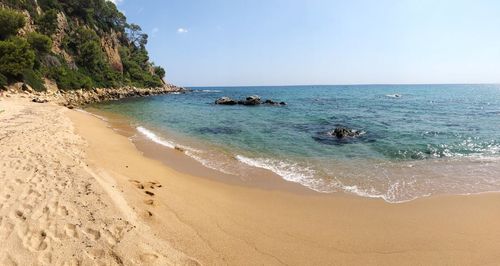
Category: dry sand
[75,191]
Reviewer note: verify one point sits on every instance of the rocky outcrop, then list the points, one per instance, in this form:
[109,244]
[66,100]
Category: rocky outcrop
[271,102]
[226,101]
[343,132]
[75,98]
[84,97]
[249,101]
[29,26]
[111,46]
[39,100]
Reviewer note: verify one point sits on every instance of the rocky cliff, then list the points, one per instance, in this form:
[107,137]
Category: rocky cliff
[91,45]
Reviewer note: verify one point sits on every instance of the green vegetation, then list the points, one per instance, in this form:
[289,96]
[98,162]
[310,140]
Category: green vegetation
[47,23]
[40,43]
[3,81]
[81,60]
[16,56]
[11,22]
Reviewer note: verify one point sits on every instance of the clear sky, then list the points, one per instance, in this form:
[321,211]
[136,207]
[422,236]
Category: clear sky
[284,42]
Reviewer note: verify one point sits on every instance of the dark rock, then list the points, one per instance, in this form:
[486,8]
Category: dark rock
[39,100]
[226,101]
[343,132]
[252,100]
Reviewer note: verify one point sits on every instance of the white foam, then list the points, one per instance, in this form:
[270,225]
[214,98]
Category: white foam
[191,152]
[289,171]
[155,138]
[390,196]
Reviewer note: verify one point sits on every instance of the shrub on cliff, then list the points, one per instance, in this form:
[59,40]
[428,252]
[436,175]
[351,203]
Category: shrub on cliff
[34,79]
[47,23]
[69,79]
[11,22]
[40,43]
[16,57]
[160,71]
[49,4]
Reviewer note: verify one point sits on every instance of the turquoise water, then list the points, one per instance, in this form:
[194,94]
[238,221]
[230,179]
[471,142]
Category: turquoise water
[434,139]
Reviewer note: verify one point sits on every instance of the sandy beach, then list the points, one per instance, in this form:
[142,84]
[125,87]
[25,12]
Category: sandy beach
[75,192]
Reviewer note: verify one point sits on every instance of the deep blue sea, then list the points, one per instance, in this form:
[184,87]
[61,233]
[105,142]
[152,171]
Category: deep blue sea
[433,139]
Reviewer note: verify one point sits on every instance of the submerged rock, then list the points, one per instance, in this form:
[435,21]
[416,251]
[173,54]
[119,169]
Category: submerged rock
[271,102]
[343,132]
[343,135]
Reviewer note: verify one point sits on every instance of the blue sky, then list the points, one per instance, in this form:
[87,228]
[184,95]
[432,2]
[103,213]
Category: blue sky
[284,42]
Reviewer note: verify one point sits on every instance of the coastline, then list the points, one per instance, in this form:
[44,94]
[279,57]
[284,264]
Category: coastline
[212,222]
[177,158]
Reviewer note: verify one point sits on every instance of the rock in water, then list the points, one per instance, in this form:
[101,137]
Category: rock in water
[252,100]
[343,132]
[226,101]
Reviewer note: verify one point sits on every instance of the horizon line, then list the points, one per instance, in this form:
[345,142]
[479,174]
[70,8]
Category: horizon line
[347,84]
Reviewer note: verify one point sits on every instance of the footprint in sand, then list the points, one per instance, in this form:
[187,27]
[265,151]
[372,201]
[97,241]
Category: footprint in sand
[108,236]
[95,253]
[92,234]
[62,210]
[148,257]
[45,258]
[35,240]
[153,185]
[19,215]
[71,230]
[149,184]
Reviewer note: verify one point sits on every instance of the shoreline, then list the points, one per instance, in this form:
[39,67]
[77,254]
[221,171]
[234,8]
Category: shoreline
[174,156]
[212,222]
[321,228]
[180,161]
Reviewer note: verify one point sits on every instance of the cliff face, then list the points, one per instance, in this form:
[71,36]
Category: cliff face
[92,45]
[111,44]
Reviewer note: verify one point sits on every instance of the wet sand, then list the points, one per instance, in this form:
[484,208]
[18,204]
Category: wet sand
[198,219]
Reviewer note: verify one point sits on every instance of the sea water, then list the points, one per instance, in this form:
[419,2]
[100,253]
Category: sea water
[415,141]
